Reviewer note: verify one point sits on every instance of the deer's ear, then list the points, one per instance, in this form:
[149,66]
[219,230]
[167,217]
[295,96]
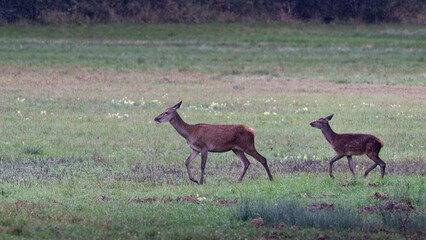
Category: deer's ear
[330,117]
[177,105]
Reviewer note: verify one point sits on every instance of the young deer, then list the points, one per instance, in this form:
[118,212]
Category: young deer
[351,144]
[204,138]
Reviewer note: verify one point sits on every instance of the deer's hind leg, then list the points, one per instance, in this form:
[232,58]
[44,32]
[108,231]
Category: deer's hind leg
[252,152]
[373,153]
[369,169]
[204,153]
[244,161]
[377,161]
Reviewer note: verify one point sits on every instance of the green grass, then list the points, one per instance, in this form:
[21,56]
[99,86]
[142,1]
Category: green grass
[59,209]
[78,103]
[378,54]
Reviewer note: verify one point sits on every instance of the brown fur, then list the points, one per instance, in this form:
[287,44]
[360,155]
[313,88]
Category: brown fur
[349,144]
[221,138]
[355,144]
[203,138]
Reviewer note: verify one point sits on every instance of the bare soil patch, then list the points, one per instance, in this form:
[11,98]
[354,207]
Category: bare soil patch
[102,199]
[395,206]
[406,167]
[225,201]
[268,84]
[390,206]
[151,200]
[182,199]
[189,198]
[369,208]
[175,174]
[378,195]
[320,206]
[375,185]
[83,82]
[281,225]
[347,183]
[320,236]
[67,82]
[275,235]
[32,209]
[314,197]
[257,222]
[22,204]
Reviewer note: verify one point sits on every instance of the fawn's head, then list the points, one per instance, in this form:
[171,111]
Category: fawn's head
[168,114]
[321,122]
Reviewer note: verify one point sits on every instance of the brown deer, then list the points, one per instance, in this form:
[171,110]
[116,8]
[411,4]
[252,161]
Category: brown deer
[348,144]
[204,138]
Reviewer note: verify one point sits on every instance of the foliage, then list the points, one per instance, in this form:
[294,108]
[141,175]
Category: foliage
[201,11]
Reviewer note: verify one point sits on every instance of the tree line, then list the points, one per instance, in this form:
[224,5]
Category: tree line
[202,11]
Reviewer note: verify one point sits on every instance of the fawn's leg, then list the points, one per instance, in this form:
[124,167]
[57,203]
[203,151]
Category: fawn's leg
[337,157]
[351,164]
[372,151]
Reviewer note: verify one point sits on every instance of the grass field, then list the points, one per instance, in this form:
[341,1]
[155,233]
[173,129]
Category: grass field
[81,156]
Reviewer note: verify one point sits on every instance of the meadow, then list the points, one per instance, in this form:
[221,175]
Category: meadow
[82,158]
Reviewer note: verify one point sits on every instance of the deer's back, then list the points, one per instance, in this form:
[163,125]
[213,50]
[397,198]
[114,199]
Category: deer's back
[221,138]
[355,144]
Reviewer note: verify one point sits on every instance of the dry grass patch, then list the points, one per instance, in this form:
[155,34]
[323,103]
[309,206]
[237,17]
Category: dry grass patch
[88,82]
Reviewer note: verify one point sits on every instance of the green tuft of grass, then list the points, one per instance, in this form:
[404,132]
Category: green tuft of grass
[294,213]
[32,150]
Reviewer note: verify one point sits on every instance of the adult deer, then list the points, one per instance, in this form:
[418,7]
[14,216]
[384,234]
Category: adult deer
[348,144]
[204,138]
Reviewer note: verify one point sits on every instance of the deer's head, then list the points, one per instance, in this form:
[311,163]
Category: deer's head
[321,122]
[168,114]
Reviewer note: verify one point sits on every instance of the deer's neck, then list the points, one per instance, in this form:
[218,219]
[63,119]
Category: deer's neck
[329,134]
[181,126]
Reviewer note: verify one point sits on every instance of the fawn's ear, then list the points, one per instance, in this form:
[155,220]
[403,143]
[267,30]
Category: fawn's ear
[330,117]
[177,106]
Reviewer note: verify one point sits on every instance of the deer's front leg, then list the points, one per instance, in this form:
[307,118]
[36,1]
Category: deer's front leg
[203,164]
[188,161]
[337,157]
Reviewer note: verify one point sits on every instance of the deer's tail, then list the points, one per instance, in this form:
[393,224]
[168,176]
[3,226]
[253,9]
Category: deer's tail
[250,130]
[380,141]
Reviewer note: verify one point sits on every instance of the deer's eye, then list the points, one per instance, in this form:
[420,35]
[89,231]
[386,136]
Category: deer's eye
[166,112]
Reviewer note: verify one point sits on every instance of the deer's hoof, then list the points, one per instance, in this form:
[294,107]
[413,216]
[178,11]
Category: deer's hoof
[192,179]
